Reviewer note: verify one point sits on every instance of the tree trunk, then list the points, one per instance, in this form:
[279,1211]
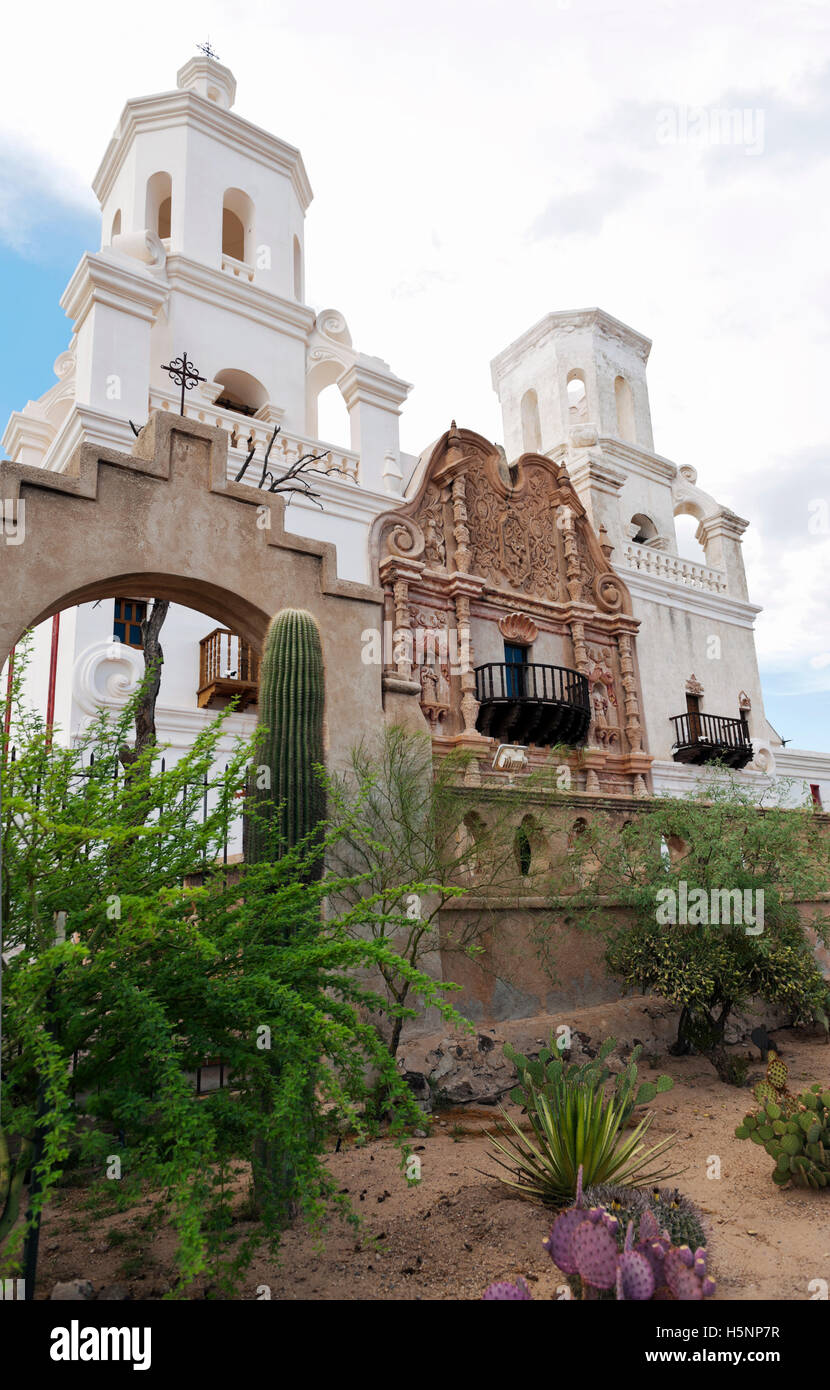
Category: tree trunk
[145,714]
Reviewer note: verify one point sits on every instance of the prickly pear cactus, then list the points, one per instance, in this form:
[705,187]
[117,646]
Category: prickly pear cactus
[583,1243]
[797,1136]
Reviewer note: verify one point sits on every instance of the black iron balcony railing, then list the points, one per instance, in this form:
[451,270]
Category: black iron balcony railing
[703,738]
[531,703]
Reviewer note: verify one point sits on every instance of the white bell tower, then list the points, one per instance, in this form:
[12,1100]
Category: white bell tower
[202,251]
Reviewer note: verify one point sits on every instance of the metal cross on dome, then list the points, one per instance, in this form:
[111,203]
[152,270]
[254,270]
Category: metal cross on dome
[183,373]
[207,50]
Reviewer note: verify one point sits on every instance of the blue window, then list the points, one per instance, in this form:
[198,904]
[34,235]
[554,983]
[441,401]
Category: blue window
[515,658]
[127,619]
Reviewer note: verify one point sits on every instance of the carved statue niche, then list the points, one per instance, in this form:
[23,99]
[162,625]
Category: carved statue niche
[430,518]
[434,660]
[605,731]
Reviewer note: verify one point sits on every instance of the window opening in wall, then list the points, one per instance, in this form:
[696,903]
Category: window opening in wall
[524,851]
[128,616]
[625,410]
[693,711]
[577,397]
[643,528]
[531,430]
[515,658]
[815,793]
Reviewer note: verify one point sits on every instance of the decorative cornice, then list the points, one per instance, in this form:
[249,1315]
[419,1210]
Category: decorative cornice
[167,110]
[102,279]
[27,431]
[365,382]
[555,325]
[214,287]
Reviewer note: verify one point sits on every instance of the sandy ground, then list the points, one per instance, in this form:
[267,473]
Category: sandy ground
[458,1230]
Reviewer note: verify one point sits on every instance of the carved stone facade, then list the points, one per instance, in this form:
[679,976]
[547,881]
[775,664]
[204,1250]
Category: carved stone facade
[485,555]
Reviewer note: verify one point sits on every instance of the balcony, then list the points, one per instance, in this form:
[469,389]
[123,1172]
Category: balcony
[530,703]
[706,738]
[228,666]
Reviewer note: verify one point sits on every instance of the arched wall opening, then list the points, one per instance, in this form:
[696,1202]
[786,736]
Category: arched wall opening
[625,411]
[686,519]
[115,229]
[577,395]
[237,226]
[240,392]
[217,604]
[158,204]
[531,429]
[327,417]
[642,528]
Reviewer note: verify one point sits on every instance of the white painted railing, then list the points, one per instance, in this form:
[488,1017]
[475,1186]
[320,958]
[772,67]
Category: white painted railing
[338,463]
[659,565]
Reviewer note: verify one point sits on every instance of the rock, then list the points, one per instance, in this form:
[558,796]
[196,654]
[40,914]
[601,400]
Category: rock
[112,1293]
[72,1289]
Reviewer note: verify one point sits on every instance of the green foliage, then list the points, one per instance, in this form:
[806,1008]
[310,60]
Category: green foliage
[168,960]
[287,793]
[794,1129]
[715,842]
[550,1074]
[402,820]
[575,1126]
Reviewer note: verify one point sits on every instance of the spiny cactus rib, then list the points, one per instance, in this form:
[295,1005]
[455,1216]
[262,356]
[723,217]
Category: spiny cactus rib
[291,700]
[585,1246]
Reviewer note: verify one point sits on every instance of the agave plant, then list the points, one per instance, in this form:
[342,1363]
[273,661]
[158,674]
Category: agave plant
[575,1125]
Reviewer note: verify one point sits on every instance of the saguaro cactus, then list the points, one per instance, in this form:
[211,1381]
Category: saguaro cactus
[291,697]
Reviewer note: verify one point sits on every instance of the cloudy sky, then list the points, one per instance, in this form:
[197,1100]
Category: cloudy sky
[478,164]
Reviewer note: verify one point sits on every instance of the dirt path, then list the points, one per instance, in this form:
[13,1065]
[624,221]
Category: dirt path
[457,1230]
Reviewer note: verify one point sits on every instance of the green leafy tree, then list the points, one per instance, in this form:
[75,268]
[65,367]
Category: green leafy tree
[165,959]
[403,819]
[698,900]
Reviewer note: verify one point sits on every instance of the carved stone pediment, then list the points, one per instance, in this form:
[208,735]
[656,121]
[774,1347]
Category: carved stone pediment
[520,527]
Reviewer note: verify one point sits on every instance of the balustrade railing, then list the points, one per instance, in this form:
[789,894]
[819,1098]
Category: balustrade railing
[287,448]
[660,565]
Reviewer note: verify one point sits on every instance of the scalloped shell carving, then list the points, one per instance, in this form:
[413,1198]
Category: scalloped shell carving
[518,627]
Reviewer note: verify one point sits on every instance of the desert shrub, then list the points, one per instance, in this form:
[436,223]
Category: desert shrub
[716,924]
[549,1073]
[575,1127]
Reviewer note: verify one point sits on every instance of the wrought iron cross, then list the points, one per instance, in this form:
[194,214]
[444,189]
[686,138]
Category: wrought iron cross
[183,373]
[207,50]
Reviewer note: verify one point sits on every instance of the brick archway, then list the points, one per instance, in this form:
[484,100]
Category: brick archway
[165,521]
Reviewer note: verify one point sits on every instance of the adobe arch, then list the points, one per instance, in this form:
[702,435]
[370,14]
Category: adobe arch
[165,520]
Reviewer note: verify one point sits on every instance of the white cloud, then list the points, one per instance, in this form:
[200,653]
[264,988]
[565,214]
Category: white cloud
[435,138]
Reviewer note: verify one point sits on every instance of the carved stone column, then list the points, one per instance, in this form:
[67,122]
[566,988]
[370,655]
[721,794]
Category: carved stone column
[633,726]
[461,530]
[573,573]
[463,588]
